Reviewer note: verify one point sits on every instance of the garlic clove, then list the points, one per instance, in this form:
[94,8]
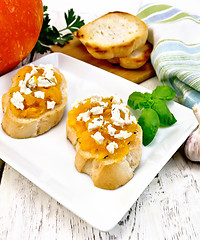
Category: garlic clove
[192,145]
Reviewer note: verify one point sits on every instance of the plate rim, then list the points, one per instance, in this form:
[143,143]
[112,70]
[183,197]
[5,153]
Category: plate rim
[103,227]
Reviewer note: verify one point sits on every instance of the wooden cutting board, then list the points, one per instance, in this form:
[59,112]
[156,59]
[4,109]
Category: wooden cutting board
[77,50]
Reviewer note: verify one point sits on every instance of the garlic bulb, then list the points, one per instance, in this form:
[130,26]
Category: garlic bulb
[192,145]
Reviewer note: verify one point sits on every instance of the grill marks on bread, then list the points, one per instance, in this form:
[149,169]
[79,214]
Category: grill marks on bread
[115,34]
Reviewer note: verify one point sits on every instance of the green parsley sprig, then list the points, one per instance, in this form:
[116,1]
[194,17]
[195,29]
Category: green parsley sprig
[50,35]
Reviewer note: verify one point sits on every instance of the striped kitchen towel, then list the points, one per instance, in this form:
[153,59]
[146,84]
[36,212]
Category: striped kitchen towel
[175,36]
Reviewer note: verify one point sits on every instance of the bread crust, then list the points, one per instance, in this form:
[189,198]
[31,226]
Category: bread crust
[107,173]
[17,127]
[130,40]
[136,59]
[110,174]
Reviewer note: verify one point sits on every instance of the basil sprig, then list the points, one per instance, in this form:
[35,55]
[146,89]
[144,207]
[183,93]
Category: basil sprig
[154,110]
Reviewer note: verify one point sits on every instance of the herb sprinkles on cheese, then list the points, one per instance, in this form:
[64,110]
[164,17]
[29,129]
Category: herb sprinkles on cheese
[103,126]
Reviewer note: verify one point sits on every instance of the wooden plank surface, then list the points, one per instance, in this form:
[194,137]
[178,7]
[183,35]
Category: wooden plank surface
[77,50]
[168,209]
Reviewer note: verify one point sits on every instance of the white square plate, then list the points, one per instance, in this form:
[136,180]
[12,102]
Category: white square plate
[48,160]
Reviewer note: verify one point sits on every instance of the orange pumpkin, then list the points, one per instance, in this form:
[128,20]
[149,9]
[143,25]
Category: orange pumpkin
[20,25]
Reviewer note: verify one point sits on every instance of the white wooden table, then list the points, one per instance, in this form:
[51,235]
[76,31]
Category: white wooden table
[169,208]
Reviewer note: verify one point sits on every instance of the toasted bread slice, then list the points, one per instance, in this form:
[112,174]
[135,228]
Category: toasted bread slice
[115,34]
[136,59]
[108,167]
[21,121]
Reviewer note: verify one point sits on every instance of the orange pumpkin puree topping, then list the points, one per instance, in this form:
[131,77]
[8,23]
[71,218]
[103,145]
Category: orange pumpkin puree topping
[37,90]
[103,126]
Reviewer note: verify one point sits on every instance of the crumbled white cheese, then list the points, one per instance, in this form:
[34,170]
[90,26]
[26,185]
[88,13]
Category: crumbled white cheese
[32,82]
[106,122]
[84,116]
[116,118]
[116,100]
[96,122]
[27,77]
[118,110]
[111,130]
[39,94]
[44,82]
[46,67]
[103,104]
[48,71]
[34,70]
[17,100]
[50,104]
[23,88]
[98,137]
[78,102]
[123,135]
[97,110]
[49,74]
[98,99]
[24,85]
[29,83]
[95,99]
[133,119]
[111,147]
[123,108]
[130,119]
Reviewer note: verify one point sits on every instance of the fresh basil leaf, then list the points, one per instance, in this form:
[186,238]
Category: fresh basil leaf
[138,100]
[164,93]
[166,117]
[155,112]
[135,99]
[149,122]
[147,95]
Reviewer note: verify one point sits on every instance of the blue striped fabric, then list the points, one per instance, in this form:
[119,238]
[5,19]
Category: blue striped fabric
[175,36]
[161,16]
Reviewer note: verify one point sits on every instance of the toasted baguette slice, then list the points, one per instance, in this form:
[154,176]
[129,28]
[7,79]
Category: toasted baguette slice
[108,172]
[115,34]
[19,127]
[136,59]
